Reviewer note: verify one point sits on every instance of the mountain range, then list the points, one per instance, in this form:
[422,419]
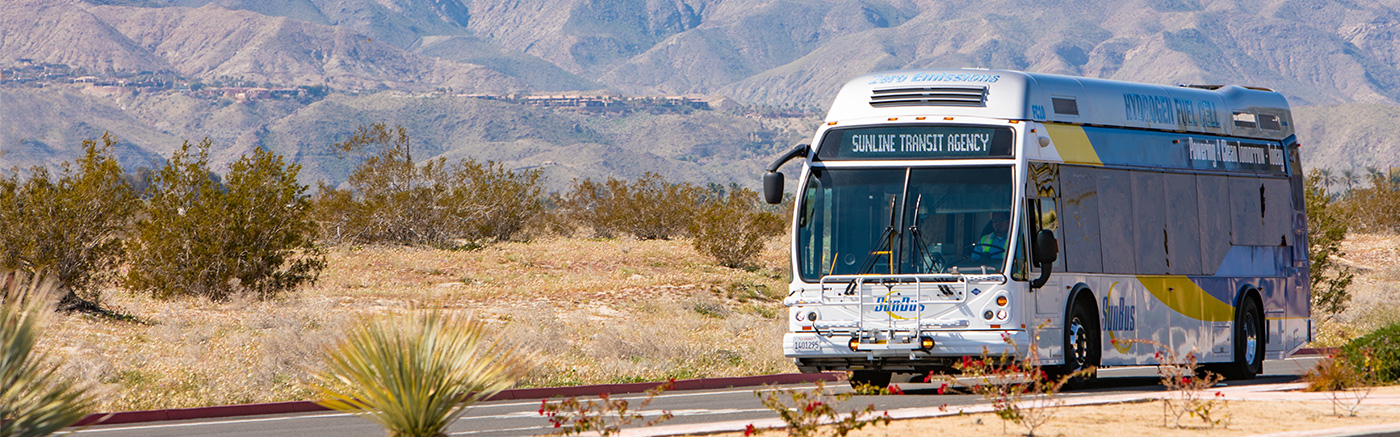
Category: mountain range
[1335,60]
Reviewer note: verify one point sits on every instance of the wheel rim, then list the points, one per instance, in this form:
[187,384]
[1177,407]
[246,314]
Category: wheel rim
[1251,340]
[1078,343]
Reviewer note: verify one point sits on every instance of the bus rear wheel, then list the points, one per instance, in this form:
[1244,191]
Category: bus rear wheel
[1248,344]
[874,378]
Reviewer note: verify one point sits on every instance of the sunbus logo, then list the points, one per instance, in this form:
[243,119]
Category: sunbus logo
[1120,317]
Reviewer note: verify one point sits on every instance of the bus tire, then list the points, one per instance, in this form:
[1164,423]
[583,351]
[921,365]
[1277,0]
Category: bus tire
[1248,342]
[1082,346]
[874,378]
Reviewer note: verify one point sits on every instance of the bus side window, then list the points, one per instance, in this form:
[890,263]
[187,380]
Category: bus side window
[1080,220]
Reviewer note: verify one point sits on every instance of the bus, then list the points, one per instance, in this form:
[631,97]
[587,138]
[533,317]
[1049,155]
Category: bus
[941,214]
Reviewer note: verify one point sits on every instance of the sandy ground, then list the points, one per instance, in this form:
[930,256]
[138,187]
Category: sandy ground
[1247,414]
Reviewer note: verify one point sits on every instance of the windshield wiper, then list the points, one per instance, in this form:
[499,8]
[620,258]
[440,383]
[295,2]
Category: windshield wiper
[886,248]
[919,248]
[886,243]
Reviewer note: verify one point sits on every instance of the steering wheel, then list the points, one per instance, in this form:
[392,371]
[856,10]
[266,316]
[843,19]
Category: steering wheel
[988,250]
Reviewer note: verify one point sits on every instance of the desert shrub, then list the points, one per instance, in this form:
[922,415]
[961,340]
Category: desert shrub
[1375,208]
[34,400]
[1381,352]
[416,378]
[199,237]
[649,208]
[732,228]
[806,412]
[71,225]
[391,199]
[1328,224]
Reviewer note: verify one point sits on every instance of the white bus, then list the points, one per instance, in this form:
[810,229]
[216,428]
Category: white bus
[941,211]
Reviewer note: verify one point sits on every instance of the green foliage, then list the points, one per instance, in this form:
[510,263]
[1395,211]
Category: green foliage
[34,400]
[1328,224]
[416,378]
[393,200]
[605,415]
[648,209]
[732,229]
[805,412]
[73,225]
[1381,352]
[253,234]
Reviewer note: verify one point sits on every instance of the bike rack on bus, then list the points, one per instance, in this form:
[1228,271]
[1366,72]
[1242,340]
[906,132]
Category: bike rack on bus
[900,333]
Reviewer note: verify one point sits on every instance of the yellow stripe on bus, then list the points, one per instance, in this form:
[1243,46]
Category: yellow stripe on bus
[1182,295]
[1073,144]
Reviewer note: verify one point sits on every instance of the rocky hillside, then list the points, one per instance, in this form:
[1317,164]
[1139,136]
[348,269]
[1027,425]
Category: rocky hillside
[1334,59]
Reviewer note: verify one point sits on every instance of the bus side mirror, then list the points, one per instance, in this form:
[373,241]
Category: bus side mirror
[1047,248]
[1046,251]
[773,188]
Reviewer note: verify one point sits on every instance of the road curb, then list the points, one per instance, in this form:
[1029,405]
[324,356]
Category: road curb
[1319,351]
[513,394]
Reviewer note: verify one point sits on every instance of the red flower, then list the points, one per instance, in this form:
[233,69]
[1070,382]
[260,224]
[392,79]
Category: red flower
[750,430]
[895,390]
[1185,380]
[943,388]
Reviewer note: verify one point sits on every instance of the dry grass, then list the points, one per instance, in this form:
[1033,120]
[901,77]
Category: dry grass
[1375,293]
[596,311]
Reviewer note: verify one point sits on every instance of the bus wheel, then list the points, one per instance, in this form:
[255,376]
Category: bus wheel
[870,377]
[1081,344]
[1249,343]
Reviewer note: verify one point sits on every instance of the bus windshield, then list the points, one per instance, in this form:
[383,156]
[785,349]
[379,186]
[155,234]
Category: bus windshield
[904,220]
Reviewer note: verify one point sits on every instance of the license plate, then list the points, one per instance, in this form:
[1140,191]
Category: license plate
[806,344]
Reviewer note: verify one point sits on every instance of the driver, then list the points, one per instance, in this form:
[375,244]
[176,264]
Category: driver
[992,245]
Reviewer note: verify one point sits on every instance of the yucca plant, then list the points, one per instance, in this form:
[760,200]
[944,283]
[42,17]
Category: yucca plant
[415,378]
[34,399]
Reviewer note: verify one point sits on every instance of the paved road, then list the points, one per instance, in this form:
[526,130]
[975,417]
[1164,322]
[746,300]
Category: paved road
[514,418]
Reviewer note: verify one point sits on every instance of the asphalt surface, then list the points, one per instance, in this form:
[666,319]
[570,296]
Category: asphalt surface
[515,418]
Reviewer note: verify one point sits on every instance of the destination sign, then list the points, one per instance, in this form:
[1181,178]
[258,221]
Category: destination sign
[917,142]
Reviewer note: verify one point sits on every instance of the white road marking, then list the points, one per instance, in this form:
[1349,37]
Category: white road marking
[522,414]
[222,422]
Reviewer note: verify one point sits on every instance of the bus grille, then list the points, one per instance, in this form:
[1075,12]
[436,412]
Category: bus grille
[930,96]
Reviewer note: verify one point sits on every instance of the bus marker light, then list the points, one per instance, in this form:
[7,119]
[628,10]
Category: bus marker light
[925,343]
[806,328]
[920,118]
[996,326]
[948,118]
[1001,300]
[831,123]
[854,344]
[893,118]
